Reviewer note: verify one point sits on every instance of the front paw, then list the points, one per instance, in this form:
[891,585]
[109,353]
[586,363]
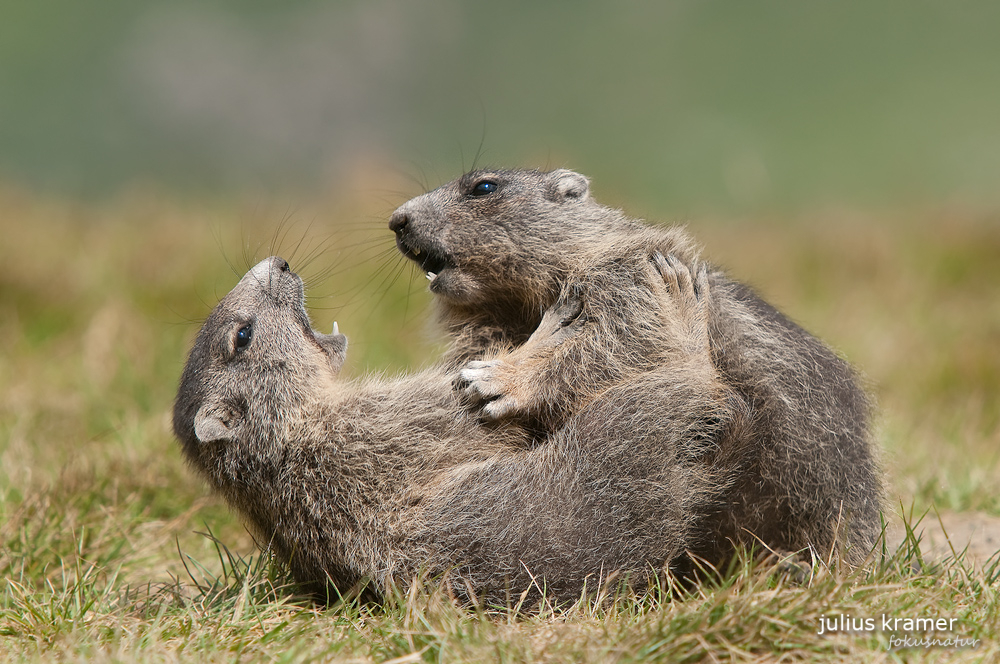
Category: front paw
[485,383]
[479,379]
[689,299]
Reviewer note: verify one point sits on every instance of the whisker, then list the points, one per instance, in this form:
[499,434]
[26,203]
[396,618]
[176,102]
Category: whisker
[302,239]
[389,279]
[354,293]
[371,223]
[354,265]
[217,236]
[421,182]
[480,151]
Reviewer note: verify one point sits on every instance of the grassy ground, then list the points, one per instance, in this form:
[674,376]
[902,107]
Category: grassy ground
[105,552]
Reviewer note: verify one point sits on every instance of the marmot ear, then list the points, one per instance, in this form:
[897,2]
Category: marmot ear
[565,184]
[216,422]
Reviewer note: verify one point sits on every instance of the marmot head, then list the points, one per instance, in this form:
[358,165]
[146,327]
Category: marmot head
[254,362]
[500,236]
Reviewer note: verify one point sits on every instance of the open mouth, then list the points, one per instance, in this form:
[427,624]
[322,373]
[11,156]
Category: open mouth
[334,344]
[429,261]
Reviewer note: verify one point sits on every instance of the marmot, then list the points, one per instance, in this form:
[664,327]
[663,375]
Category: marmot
[383,480]
[796,451]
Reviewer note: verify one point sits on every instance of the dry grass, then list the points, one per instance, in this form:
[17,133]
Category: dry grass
[100,551]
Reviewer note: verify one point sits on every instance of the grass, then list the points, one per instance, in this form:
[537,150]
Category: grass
[111,550]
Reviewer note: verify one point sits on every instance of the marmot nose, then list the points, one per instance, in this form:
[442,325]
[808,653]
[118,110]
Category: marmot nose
[398,221]
[281,264]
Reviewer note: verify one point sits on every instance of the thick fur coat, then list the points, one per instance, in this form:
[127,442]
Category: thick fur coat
[379,481]
[792,437]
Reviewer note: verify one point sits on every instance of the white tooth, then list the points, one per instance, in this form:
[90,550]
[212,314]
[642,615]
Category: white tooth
[336,330]
[431,276]
[416,252]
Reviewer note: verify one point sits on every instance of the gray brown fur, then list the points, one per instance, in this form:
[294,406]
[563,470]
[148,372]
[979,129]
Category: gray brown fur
[792,442]
[382,480]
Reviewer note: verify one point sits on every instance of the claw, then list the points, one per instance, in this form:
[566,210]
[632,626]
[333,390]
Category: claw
[336,330]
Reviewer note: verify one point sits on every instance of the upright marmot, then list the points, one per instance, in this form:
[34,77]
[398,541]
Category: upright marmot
[382,480]
[794,445]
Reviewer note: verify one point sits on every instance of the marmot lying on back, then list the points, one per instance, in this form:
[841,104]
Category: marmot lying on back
[382,480]
[793,449]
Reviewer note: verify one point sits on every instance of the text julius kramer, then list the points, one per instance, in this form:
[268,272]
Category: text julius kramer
[847,624]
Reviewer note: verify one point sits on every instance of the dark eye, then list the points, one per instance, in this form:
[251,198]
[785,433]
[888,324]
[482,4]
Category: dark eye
[485,188]
[243,337]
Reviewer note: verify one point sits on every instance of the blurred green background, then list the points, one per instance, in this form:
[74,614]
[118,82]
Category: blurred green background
[843,157]
[682,107]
